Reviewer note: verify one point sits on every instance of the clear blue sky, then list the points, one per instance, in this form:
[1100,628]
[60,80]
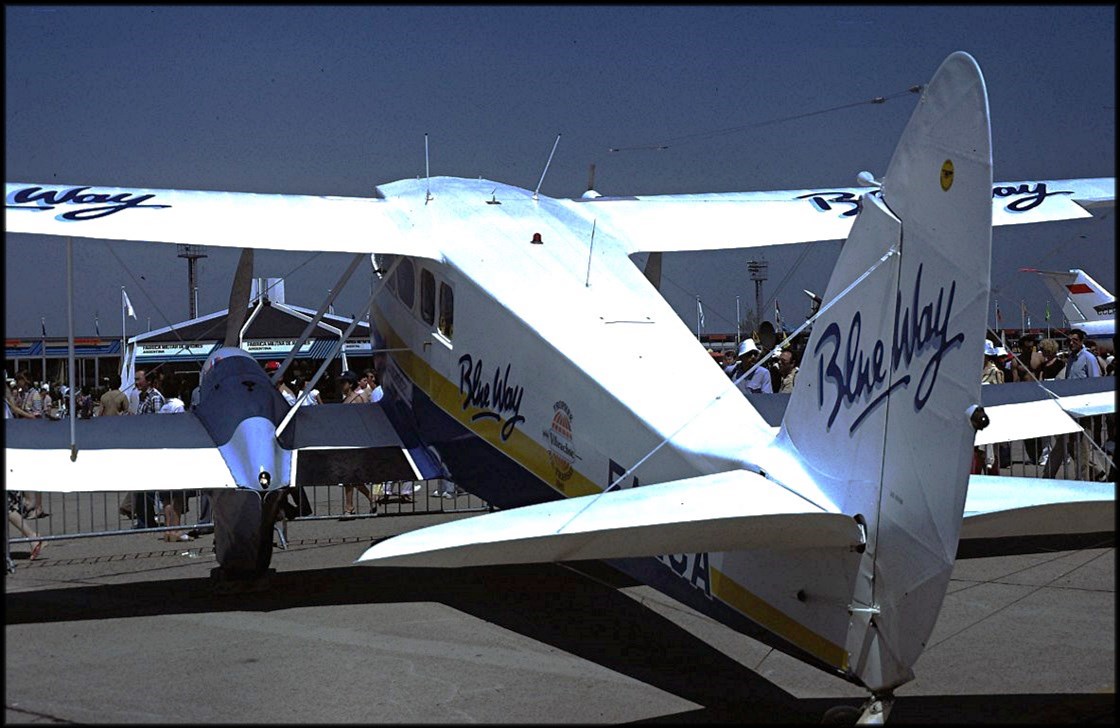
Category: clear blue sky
[335,100]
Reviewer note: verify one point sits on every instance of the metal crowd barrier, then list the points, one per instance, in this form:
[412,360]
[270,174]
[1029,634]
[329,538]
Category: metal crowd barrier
[86,515]
[1076,456]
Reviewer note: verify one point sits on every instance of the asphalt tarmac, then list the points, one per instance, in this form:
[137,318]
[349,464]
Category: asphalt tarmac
[125,629]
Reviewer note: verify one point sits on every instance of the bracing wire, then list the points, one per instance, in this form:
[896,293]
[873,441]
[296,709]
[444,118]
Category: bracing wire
[686,138]
[218,323]
[689,420]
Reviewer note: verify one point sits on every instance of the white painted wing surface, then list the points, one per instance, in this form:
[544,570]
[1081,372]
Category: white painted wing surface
[122,469]
[1043,417]
[720,512]
[999,506]
[224,219]
[165,452]
[724,220]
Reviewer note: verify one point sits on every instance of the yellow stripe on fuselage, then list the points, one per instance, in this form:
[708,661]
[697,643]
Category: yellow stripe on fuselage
[524,450]
[775,620]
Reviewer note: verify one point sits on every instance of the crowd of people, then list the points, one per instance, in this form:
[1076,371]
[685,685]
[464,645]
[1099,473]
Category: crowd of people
[1041,361]
[1034,361]
[777,375]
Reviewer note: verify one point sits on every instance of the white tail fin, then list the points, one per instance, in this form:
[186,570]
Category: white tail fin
[1082,299]
[880,416]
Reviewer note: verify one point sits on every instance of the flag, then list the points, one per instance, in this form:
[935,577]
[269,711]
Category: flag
[699,311]
[127,304]
[43,324]
[1047,310]
[999,316]
[97,325]
[778,316]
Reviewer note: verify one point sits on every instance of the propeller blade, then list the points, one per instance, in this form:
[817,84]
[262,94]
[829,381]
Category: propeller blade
[239,297]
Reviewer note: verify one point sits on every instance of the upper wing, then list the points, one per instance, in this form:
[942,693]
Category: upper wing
[227,219]
[720,221]
[721,512]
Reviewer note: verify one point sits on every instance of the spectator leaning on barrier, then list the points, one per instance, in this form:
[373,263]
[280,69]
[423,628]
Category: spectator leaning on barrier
[151,400]
[352,395]
[1083,364]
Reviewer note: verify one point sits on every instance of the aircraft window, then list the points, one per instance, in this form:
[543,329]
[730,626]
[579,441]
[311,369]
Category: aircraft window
[427,296]
[406,282]
[446,310]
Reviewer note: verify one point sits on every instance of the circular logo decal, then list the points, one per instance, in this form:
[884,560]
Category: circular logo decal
[561,454]
[947,175]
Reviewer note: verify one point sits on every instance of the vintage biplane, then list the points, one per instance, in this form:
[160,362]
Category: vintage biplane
[526,355]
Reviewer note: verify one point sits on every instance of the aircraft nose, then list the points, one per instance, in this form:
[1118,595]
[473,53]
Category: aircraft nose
[254,457]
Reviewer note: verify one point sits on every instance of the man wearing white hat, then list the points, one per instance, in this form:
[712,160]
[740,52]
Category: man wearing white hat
[759,379]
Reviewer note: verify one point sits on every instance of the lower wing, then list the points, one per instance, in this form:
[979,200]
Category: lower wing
[164,452]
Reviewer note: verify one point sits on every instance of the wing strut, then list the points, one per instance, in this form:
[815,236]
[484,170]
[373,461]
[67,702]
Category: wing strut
[338,347]
[279,374]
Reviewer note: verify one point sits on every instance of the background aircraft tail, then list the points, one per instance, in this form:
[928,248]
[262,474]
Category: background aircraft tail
[880,416]
[1081,298]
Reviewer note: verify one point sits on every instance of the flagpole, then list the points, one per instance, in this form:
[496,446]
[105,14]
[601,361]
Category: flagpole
[124,333]
[71,394]
[43,330]
[738,325]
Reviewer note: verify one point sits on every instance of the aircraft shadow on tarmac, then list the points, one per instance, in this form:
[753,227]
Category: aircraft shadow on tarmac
[583,614]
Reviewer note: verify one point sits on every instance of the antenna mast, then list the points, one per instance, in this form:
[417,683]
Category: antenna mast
[192,253]
[554,144]
[427,174]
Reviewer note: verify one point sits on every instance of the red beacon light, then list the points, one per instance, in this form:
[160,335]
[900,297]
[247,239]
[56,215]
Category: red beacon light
[537,239]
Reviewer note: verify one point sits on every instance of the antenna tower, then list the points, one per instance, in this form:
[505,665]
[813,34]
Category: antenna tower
[757,270]
[192,253]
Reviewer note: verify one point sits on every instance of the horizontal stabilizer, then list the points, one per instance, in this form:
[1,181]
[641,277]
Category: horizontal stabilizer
[998,507]
[721,512]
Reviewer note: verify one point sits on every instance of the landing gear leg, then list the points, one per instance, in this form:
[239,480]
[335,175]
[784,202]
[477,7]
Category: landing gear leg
[876,710]
[873,712]
[243,523]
